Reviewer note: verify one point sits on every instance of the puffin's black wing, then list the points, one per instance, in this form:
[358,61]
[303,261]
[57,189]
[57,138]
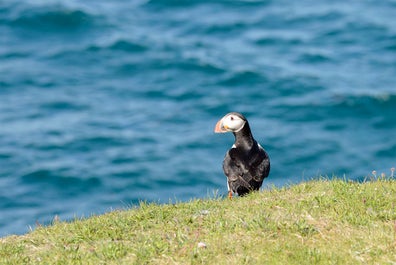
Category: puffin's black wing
[246,171]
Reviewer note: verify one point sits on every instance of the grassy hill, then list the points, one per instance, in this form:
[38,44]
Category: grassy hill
[317,222]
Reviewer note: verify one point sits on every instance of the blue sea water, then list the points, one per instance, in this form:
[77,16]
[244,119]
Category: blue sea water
[107,103]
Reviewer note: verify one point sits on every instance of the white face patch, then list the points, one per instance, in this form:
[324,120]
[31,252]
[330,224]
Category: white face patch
[233,123]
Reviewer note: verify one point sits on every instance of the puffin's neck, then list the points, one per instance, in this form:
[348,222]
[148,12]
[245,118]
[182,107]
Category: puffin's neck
[244,138]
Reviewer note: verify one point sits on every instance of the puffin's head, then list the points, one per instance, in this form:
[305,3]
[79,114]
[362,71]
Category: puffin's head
[231,122]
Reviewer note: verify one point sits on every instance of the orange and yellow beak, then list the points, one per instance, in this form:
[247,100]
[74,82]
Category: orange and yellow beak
[220,128]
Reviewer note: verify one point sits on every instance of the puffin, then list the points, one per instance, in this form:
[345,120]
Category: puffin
[246,164]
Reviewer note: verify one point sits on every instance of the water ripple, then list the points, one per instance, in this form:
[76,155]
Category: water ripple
[52,18]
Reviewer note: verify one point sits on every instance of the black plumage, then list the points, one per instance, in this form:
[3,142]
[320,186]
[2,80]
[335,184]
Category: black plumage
[246,164]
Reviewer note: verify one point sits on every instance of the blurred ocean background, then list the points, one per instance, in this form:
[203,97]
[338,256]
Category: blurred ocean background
[107,103]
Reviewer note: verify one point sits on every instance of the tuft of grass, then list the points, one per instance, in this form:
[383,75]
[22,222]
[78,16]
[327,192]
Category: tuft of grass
[316,222]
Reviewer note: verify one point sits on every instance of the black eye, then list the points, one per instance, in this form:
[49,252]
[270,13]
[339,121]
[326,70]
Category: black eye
[232,118]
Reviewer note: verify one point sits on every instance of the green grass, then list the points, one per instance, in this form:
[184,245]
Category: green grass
[316,222]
